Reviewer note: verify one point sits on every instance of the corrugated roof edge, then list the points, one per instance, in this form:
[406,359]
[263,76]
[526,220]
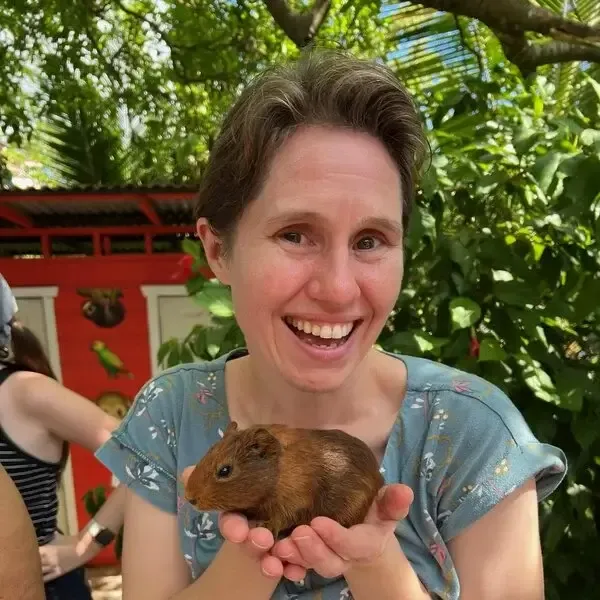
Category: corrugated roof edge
[103,189]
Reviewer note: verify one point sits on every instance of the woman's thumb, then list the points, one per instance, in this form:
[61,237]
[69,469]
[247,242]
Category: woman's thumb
[393,502]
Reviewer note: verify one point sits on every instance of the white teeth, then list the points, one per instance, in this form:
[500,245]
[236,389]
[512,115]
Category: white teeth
[326,331]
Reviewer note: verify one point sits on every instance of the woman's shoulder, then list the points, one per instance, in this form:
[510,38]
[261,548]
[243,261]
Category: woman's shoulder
[433,384]
[458,427]
[176,416]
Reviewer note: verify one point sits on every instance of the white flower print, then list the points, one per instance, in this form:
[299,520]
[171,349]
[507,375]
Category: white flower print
[201,528]
[441,415]
[346,594]
[442,517]
[169,436]
[418,403]
[144,473]
[429,466]
[149,394]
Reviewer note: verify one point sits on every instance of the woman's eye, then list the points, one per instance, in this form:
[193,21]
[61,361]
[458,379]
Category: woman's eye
[293,237]
[369,242]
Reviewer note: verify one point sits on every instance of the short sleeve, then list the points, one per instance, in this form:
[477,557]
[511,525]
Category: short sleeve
[485,450]
[142,451]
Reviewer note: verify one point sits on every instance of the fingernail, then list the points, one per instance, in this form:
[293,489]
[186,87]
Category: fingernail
[259,546]
[286,555]
[300,538]
[265,572]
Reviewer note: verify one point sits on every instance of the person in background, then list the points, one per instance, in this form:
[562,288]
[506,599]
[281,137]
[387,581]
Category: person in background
[20,564]
[303,210]
[38,419]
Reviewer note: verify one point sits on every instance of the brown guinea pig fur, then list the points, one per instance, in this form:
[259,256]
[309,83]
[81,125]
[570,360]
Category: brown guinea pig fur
[282,477]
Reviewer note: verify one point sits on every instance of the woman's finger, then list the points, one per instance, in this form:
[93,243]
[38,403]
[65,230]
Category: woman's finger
[271,567]
[294,572]
[359,543]
[317,554]
[259,541]
[287,551]
[233,527]
[393,502]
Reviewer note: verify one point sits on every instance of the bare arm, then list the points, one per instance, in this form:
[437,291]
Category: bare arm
[67,415]
[66,553]
[20,565]
[499,557]
[389,578]
[151,541]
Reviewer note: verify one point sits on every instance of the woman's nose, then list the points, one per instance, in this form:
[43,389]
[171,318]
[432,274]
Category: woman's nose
[334,281]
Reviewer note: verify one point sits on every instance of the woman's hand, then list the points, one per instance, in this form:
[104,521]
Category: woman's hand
[331,549]
[61,556]
[257,542]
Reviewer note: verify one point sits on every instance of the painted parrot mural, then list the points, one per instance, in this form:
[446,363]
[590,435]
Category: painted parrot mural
[111,363]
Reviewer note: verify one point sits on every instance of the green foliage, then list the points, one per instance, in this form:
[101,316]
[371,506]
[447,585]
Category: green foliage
[156,77]
[93,500]
[502,280]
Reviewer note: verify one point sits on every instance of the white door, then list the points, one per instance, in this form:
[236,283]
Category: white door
[36,311]
[171,314]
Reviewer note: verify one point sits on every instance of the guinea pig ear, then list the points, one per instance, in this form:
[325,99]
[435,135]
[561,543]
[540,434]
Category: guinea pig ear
[264,444]
[231,428]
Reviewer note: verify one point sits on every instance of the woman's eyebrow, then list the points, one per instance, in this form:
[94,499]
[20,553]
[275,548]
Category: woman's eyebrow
[310,216]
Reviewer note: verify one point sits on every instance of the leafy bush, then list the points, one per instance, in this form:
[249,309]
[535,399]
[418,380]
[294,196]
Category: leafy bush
[502,280]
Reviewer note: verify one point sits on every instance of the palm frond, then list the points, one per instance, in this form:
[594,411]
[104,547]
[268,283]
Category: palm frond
[437,50]
[79,151]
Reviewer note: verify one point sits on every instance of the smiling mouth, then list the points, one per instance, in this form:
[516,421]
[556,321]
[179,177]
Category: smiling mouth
[326,335]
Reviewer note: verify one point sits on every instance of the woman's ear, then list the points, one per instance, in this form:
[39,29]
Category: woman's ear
[214,250]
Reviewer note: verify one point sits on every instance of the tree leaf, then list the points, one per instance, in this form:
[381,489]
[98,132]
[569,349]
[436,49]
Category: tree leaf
[464,312]
[517,293]
[491,350]
[545,168]
[419,342]
[541,384]
[216,298]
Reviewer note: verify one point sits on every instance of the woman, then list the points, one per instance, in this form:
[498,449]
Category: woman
[301,211]
[38,418]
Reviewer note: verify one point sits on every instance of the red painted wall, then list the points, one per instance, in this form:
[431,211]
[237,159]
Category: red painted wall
[81,368]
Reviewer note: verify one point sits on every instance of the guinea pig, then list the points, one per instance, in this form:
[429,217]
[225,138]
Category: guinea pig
[281,477]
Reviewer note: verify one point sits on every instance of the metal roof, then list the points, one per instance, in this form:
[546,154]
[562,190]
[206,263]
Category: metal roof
[94,205]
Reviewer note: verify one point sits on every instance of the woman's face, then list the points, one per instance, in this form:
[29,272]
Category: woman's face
[317,261]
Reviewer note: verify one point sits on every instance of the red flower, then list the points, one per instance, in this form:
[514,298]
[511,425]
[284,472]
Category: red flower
[474,347]
[184,267]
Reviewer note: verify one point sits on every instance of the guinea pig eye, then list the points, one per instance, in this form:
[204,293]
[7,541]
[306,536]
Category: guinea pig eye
[224,471]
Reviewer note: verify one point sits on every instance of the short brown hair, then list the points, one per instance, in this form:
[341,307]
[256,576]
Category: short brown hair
[323,87]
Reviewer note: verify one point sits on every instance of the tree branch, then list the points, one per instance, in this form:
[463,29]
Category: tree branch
[301,28]
[527,56]
[515,17]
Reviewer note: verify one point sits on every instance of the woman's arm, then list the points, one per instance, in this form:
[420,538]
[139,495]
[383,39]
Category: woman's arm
[67,415]
[499,557]
[20,565]
[391,577]
[154,568]
[69,552]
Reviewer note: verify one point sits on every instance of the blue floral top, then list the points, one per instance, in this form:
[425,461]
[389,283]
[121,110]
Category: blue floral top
[458,442]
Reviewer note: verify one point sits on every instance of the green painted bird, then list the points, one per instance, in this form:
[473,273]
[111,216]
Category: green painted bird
[112,364]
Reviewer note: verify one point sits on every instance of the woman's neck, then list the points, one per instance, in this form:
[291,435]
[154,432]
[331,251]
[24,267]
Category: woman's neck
[269,399]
